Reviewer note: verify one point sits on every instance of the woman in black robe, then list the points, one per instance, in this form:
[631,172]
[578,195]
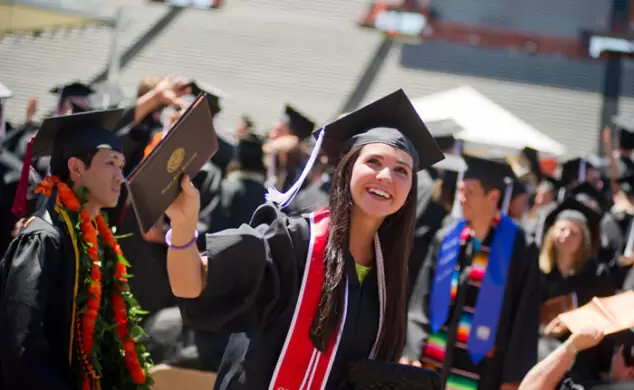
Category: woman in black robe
[570,278]
[251,282]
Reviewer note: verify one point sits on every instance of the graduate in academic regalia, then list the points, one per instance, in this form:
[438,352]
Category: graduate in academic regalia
[611,236]
[312,291]
[285,167]
[66,315]
[474,312]
[242,191]
[570,277]
[72,98]
[10,167]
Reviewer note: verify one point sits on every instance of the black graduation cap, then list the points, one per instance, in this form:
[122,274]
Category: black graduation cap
[214,95]
[496,174]
[391,120]
[586,191]
[65,136]
[249,153]
[532,155]
[626,183]
[625,127]
[73,89]
[298,123]
[75,133]
[572,209]
[575,169]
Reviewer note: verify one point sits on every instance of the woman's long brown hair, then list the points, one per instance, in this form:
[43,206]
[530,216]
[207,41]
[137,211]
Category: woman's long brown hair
[396,234]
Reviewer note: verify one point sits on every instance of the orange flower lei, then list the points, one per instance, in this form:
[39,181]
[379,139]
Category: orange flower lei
[85,326]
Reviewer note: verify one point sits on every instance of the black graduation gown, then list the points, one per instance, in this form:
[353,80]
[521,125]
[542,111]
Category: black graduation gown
[37,275]
[253,283]
[516,340]
[241,193]
[611,239]
[593,280]
[150,284]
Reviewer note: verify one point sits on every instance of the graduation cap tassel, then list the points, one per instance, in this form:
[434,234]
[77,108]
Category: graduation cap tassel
[630,241]
[283,199]
[561,194]
[3,128]
[508,194]
[456,210]
[582,170]
[19,202]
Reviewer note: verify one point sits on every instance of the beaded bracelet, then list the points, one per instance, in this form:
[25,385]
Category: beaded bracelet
[168,240]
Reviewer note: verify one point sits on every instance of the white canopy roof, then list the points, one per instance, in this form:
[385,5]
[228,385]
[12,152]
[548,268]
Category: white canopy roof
[484,123]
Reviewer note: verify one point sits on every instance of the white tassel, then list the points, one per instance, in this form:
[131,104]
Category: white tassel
[508,196]
[283,199]
[456,209]
[630,241]
[380,275]
[3,129]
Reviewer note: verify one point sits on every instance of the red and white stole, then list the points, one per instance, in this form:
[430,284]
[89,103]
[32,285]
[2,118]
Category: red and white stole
[301,366]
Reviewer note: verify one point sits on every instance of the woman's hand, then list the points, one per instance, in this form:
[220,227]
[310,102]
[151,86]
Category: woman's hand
[183,212]
[556,328]
[586,339]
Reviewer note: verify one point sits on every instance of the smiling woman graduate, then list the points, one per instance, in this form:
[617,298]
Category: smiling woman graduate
[309,296]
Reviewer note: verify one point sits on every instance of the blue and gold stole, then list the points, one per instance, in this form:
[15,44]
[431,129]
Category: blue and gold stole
[491,295]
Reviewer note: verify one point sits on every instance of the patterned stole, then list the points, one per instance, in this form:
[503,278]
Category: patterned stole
[491,295]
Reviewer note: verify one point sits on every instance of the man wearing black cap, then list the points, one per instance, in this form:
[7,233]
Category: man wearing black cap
[66,313]
[478,330]
[285,161]
[72,98]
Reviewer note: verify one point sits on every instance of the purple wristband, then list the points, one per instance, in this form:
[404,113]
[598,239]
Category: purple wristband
[168,240]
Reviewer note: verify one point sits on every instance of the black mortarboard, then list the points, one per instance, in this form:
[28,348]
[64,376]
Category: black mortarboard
[492,173]
[107,95]
[68,135]
[391,120]
[298,123]
[214,95]
[586,191]
[249,153]
[65,136]
[572,209]
[625,126]
[73,89]
[576,169]
[532,156]
[626,183]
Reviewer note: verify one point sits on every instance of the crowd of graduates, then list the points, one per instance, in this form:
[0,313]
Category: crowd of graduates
[501,246]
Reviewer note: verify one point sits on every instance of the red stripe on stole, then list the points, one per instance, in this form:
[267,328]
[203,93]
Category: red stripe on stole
[296,364]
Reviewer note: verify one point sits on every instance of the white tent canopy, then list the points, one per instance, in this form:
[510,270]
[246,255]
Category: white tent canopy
[484,123]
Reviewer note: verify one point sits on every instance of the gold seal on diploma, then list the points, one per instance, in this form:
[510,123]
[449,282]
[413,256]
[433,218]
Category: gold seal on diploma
[176,160]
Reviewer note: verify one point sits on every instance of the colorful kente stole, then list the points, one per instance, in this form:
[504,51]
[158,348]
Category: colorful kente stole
[476,329]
